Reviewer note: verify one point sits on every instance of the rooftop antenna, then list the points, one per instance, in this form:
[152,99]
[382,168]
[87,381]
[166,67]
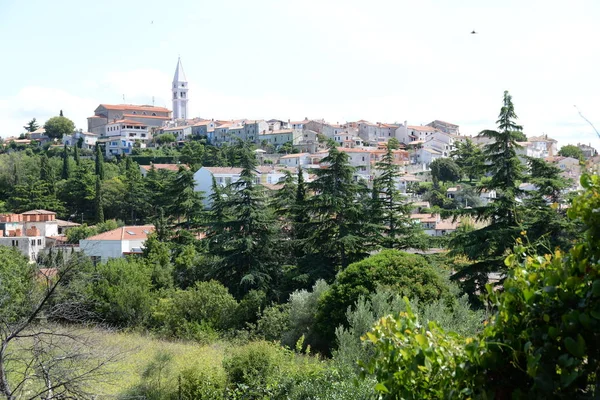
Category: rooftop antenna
[152,101]
[588,121]
[123,97]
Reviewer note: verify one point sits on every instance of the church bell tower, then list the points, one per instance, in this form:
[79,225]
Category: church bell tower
[180,93]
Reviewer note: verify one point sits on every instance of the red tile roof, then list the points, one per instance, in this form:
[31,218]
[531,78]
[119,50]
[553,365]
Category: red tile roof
[124,107]
[126,233]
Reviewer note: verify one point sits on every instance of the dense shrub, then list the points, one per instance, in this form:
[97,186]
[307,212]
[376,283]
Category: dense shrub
[255,365]
[197,312]
[407,274]
[120,291]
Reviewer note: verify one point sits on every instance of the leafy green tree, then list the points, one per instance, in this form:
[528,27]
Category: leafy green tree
[121,293]
[337,217]
[31,126]
[391,210]
[33,195]
[407,274]
[445,170]
[99,162]
[487,246]
[157,256]
[570,150]
[245,241]
[165,138]
[57,127]
[470,159]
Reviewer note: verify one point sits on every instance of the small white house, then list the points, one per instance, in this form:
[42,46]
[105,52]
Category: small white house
[223,176]
[116,243]
[295,160]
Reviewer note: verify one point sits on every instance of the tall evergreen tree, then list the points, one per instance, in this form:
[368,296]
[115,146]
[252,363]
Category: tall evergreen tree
[470,159]
[76,155]
[391,208]
[245,241]
[66,169]
[487,247]
[136,197]
[546,224]
[186,203]
[99,162]
[31,126]
[338,221]
[98,201]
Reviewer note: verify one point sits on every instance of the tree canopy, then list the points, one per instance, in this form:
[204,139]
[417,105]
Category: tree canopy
[570,150]
[57,127]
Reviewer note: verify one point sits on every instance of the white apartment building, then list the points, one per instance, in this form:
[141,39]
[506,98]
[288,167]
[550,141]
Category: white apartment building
[117,243]
[127,129]
[28,231]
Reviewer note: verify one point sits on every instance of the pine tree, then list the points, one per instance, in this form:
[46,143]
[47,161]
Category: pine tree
[470,159]
[338,222]
[245,241]
[546,224]
[31,126]
[487,247]
[136,197]
[98,201]
[391,208]
[99,162]
[186,203]
[66,169]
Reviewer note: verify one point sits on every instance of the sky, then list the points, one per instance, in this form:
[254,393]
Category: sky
[382,61]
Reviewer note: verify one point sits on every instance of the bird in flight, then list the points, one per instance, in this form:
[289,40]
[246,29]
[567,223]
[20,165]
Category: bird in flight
[473,33]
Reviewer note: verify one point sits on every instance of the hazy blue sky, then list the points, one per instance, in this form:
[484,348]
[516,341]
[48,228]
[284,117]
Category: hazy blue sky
[345,60]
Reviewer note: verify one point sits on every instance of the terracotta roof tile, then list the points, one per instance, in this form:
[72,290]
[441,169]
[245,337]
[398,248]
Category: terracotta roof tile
[125,233]
[125,107]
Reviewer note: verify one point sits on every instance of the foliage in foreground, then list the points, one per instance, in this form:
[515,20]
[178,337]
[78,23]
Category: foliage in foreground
[543,341]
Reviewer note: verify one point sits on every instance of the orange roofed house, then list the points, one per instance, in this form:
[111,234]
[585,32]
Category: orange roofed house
[116,243]
[105,114]
[28,231]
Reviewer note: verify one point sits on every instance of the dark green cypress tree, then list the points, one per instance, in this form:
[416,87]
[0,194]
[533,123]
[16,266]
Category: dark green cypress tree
[99,162]
[98,201]
[66,169]
[76,155]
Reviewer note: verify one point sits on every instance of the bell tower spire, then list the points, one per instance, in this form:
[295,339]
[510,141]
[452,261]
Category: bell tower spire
[180,93]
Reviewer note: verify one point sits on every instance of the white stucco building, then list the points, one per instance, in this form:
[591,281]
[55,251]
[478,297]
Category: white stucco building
[28,231]
[116,243]
[88,139]
[127,129]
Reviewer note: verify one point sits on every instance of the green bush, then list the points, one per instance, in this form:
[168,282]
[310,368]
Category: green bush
[255,365]
[120,292]
[197,384]
[197,312]
[407,274]
[302,313]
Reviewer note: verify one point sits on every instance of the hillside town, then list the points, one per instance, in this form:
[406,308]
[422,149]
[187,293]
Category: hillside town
[295,259]
[281,147]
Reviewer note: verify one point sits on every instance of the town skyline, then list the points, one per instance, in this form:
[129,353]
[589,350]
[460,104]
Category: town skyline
[395,70]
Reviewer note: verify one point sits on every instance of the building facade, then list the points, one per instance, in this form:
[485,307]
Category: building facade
[180,93]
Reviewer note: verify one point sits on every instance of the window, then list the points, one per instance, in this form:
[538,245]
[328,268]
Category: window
[33,242]
[154,114]
[134,112]
[15,243]
[39,242]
